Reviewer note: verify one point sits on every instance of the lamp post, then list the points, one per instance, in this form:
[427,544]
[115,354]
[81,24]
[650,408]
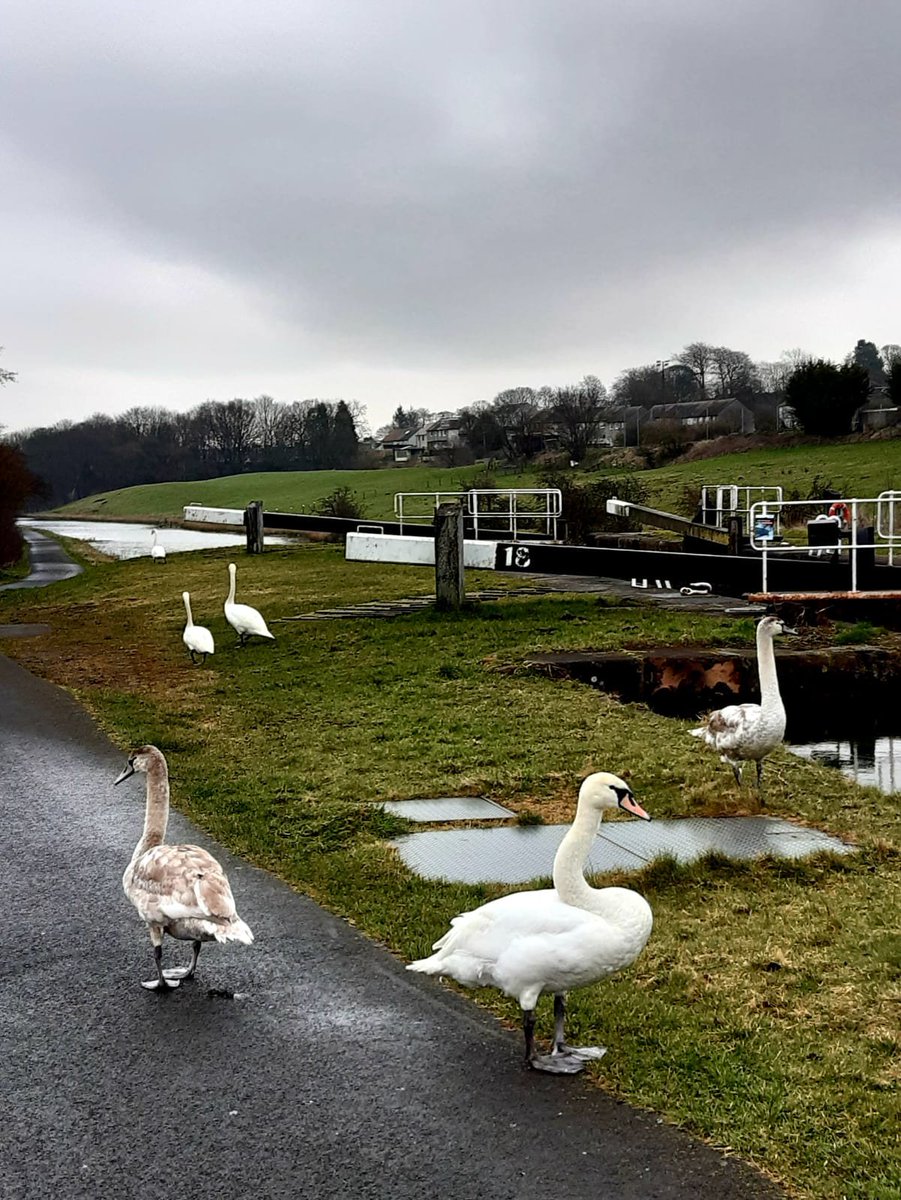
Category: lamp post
[662,364]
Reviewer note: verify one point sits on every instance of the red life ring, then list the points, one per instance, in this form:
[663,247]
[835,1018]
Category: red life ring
[840,509]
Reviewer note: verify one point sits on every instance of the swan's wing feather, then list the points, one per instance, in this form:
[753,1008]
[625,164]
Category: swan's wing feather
[183,882]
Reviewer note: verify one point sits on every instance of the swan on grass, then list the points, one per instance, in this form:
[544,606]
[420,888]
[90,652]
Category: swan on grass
[197,638]
[179,890]
[749,732]
[555,939]
[157,552]
[245,621]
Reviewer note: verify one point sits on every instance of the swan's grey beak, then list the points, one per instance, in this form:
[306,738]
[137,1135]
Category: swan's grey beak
[789,629]
[129,770]
[630,805]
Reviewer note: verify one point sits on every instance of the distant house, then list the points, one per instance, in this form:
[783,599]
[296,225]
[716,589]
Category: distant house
[727,415]
[879,412]
[621,426]
[443,433]
[399,443]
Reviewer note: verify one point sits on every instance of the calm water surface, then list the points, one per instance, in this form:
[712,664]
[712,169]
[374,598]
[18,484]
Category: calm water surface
[132,539]
[875,761]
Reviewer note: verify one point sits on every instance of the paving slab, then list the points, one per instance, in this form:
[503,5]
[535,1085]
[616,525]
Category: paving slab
[520,854]
[449,808]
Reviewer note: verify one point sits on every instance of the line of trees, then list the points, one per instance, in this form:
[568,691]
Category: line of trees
[153,445]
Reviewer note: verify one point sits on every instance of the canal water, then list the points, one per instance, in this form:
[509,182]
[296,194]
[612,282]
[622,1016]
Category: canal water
[875,761]
[122,539]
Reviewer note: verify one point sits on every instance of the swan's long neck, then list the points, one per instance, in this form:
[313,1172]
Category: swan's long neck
[187,600]
[156,812]
[231,587]
[570,859]
[766,666]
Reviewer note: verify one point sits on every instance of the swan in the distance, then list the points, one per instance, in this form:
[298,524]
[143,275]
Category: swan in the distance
[245,621]
[555,939]
[179,890]
[157,552]
[197,638]
[749,732]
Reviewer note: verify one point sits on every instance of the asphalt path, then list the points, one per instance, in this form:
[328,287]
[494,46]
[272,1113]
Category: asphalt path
[49,563]
[308,1064]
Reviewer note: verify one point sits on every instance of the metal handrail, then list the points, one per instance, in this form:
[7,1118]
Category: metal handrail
[890,540]
[548,510]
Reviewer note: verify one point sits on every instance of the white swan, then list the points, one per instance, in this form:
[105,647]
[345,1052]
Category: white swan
[197,638]
[179,890]
[245,621]
[552,940]
[743,732]
[157,552]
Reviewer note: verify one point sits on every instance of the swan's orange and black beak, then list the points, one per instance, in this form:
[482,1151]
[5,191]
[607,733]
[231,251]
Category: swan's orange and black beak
[126,773]
[629,804]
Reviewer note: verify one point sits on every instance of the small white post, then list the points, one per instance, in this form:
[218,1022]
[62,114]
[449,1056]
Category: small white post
[764,567]
[853,545]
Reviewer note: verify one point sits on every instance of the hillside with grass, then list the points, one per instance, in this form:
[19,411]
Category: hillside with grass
[287,491]
[862,469]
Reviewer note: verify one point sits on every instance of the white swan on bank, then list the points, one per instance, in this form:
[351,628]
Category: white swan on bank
[157,552]
[179,890]
[555,939]
[749,732]
[245,621]
[197,638]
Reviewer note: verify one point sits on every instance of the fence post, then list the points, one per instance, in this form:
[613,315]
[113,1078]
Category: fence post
[734,525]
[253,526]
[450,589]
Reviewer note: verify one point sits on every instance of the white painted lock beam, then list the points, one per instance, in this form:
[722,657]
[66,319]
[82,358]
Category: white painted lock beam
[200,514]
[413,551]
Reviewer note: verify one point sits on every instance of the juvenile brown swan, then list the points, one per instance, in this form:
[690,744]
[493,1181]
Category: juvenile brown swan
[749,732]
[179,890]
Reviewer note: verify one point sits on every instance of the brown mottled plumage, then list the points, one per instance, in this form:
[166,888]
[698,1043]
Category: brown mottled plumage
[179,890]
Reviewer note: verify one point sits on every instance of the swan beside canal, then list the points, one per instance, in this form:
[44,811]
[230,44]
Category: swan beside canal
[554,939]
[197,638]
[749,732]
[245,621]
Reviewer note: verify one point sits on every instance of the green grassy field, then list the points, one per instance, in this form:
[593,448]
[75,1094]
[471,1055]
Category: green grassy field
[763,1014]
[284,491]
[862,469]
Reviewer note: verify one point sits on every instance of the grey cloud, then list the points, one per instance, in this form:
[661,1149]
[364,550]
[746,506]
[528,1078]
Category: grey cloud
[466,182]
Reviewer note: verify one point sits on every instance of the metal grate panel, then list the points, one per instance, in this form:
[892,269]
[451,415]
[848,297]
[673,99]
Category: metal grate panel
[448,808]
[517,855]
[507,855]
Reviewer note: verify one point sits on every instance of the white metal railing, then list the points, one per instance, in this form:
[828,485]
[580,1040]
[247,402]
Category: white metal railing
[726,500]
[888,522]
[510,507]
[847,517]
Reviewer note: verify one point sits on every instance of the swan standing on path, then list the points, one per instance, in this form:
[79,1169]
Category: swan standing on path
[197,638]
[157,552]
[552,940]
[245,621]
[179,890]
[751,731]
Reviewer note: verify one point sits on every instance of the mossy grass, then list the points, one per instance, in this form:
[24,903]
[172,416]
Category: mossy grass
[763,1015]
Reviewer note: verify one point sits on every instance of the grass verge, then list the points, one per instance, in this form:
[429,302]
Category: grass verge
[763,1015]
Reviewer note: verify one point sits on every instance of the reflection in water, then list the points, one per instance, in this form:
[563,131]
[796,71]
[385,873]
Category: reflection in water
[125,539]
[875,761]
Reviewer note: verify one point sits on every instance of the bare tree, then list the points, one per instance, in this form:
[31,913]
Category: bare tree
[578,412]
[700,358]
[6,376]
[890,354]
[517,411]
[733,372]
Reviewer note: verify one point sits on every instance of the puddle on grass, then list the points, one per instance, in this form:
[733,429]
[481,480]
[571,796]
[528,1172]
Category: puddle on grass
[873,761]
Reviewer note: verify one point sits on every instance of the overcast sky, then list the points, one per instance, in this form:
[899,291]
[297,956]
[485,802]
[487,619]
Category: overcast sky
[427,201]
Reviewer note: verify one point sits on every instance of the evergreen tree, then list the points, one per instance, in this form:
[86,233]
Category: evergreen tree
[825,397]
